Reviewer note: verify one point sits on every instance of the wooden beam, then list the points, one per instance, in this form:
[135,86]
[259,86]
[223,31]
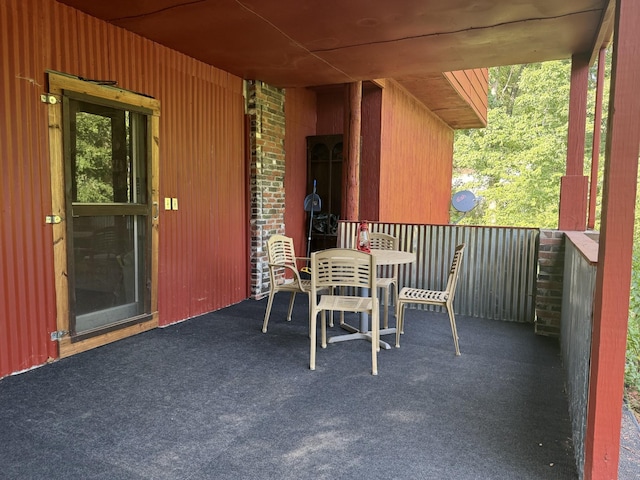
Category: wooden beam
[605,30]
[595,150]
[573,188]
[351,187]
[613,277]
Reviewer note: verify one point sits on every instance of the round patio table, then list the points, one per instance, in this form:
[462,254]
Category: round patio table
[383,257]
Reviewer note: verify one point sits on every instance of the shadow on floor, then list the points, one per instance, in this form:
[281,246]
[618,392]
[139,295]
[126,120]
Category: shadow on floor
[214,398]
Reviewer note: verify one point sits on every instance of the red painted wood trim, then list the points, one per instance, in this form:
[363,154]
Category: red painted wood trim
[247,195]
[573,198]
[611,302]
[595,151]
[577,114]
[573,202]
[585,245]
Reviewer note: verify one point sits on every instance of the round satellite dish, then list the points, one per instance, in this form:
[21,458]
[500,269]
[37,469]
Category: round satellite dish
[463,201]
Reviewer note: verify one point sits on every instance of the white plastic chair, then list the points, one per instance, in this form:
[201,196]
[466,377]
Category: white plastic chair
[442,298]
[282,258]
[340,267]
[387,278]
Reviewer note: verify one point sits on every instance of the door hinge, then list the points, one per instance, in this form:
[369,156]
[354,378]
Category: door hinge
[52,219]
[58,335]
[48,98]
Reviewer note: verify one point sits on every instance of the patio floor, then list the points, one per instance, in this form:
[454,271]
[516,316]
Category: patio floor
[214,398]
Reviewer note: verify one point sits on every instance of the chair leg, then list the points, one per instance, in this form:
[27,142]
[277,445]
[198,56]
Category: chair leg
[395,296]
[341,292]
[312,336]
[323,328]
[399,313]
[386,307]
[454,330]
[293,297]
[310,310]
[332,291]
[268,312]
[375,340]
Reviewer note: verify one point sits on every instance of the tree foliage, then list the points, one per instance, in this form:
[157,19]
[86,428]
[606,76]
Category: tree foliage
[515,164]
[93,158]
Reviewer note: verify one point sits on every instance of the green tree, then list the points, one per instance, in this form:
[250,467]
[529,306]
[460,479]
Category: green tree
[515,164]
[93,158]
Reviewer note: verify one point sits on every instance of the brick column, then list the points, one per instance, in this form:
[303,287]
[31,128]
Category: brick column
[549,284]
[266,109]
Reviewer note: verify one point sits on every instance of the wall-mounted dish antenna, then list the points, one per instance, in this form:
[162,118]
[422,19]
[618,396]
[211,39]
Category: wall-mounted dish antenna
[463,201]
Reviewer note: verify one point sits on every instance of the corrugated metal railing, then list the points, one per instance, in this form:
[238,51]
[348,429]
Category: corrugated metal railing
[498,273]
[579,282]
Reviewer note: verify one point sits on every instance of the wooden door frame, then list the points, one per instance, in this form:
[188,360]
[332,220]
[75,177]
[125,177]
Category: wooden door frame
[59,82]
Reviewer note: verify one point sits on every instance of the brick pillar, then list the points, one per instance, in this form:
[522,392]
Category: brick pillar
[265,106]
[549,284]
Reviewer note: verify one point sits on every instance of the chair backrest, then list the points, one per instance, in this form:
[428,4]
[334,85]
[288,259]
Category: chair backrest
[343,267]
[281,252]
[384,241]
[454,271]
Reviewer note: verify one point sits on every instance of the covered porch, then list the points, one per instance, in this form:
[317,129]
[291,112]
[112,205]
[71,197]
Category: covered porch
[207,254]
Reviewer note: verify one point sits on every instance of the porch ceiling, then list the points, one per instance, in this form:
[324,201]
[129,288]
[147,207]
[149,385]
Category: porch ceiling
[295,43]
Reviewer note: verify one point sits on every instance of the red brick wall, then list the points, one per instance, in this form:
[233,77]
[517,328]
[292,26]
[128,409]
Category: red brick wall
[549,289]
[266,109]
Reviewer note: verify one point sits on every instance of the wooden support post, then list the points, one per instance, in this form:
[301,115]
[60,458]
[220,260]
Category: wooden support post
[573,186]
[595,151]
[613,277]
[353,121]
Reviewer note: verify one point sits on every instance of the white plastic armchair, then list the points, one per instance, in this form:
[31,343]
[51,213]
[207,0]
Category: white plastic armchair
[282,259]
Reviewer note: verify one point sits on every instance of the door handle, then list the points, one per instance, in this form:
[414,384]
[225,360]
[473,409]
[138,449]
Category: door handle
[156,211]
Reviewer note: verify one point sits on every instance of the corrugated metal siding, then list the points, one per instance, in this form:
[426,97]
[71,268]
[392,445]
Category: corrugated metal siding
[300,110]
[498,273]
[27,305]
[579,282]
[203,255]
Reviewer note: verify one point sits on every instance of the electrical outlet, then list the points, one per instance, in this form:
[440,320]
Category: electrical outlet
[174,203]
[167,203]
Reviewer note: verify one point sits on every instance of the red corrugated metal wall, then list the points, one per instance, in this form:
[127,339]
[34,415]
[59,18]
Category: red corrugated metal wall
[27,305]
[416,161]
[203,245]
[300,122]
